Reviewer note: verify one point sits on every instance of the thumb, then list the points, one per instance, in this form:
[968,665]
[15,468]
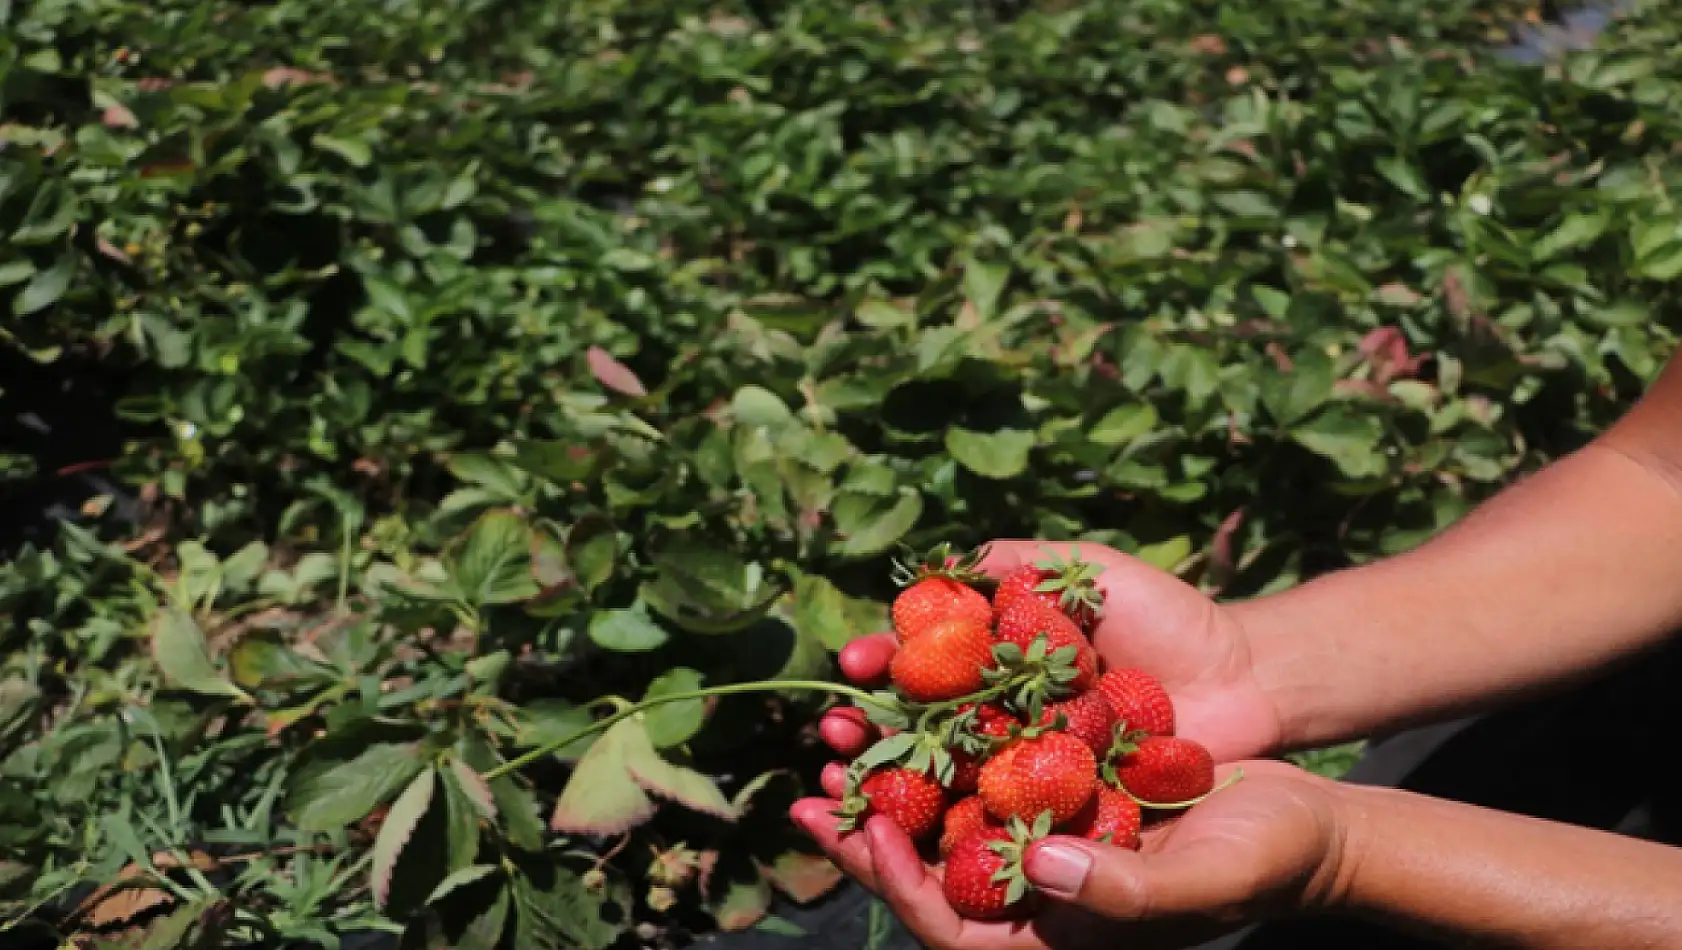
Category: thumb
[1130,885]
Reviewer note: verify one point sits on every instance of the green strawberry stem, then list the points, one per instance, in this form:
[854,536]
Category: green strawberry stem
[991,692]
[1169,806]
[631,709]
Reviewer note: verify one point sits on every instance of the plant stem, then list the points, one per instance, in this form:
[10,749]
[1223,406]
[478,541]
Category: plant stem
[759,686]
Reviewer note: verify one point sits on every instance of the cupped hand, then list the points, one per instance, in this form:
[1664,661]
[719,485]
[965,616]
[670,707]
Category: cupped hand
[1151,620]
[1271,843]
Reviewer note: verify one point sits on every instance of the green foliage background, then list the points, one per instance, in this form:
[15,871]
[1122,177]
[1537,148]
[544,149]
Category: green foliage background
[487,365]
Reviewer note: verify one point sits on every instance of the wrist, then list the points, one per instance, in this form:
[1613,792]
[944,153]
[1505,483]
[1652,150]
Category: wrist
[1349,835]
[1280,664]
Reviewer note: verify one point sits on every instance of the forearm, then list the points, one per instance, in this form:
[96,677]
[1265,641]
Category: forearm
[1564,573]
[1504,880]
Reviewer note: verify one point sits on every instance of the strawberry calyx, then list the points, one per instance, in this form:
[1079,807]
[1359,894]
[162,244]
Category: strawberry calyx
[939,561]
[1013,850]
[1034,675]
[1124,744]
[1074,581]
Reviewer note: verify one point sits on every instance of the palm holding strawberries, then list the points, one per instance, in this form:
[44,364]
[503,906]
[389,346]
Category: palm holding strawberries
[1176,664]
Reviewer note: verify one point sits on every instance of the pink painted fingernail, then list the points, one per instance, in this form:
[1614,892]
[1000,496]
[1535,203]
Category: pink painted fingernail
[1058,867]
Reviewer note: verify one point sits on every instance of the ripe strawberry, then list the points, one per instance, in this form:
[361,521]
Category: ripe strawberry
[933,599]
[968,816]
[1139,701]
[1110,816]
[937,586]
[1088,717]
[913,800]
[984,879]
[1162,770]
[1067,586]
[944,662]
[1051,771]
[1023,621]
[992,721]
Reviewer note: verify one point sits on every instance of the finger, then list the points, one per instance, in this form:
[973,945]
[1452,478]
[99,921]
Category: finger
[1130,885]
[834,780]
[1007,554]
[908,888]
[865,660]
[847,730]
[850,852]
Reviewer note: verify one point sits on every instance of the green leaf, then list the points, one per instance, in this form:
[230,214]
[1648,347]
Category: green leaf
[563,913]
[459,879]
[1575,231]
[999,455]
[880,525]
[1346,436]
[1123,424]
[394,833]
[758,406]
[1166,554]
[492,564]
[821,611]
[355,151]
[18,700]
[626,630]
[179,647]
[984,283]
[330,797]
[1397,171]
[46,287]
[593,552]
[674,723]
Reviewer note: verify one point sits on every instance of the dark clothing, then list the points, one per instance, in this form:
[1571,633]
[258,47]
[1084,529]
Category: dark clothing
[1526,759]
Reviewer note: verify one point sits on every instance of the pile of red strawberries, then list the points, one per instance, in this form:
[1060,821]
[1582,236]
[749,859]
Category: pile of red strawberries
[1003,726]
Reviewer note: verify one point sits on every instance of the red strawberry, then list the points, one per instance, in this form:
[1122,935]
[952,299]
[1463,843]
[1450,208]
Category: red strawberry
[937,586]
[1139,701]
[944,662]
[913,800]
[1023,621]
[1163,770]
[933,599]
[963,819]
[1051,771]
[1069,587]
[984,879]
[1088,717]
[992,721]
[1110,816]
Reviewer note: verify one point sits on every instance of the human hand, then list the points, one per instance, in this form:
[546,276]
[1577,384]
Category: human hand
[1151,620]
[1270,844]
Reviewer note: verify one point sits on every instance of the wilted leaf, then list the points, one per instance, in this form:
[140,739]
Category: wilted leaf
[601,797]
[803,877]
[683,785]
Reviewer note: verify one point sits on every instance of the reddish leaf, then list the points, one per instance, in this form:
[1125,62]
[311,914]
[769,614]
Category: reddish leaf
[614,374]
[803,877]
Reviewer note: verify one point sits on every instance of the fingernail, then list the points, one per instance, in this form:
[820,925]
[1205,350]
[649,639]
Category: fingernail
[1058,868]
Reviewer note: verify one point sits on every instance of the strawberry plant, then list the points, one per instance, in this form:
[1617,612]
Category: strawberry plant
[444,445]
